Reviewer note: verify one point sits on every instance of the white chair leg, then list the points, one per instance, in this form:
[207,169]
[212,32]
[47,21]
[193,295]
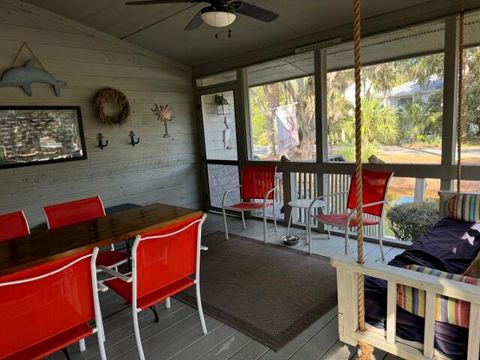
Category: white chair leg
[82,346]
[200,309]
[309,234]
[265,225]
[101,345]
[289,223]
[274,217]
[225,223]
[167,303]
[380,241]
[138,339]
[243,220]
[347,236]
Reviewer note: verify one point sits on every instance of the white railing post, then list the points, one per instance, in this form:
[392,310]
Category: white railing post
[474,332]
[347,319]
[429,334]
[391,311]
[419,190]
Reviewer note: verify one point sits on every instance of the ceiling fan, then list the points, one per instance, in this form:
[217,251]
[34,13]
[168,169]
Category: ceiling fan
[220,13]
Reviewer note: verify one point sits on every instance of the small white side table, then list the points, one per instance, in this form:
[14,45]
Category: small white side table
[303,204]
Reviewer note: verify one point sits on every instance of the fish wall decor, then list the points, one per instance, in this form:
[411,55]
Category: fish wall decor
[25,76]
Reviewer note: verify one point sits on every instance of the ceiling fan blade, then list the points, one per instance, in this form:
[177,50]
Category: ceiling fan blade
[253,11]
[155,2]
[195,22]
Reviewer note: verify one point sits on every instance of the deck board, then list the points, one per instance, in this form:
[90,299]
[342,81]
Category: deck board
[252,351]
[320,343]
[178,335]
[229,347]
[205,344]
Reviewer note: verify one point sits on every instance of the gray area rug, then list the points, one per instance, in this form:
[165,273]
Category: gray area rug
[270,293]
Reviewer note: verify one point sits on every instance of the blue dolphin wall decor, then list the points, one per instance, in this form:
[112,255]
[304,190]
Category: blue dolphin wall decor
[25,76]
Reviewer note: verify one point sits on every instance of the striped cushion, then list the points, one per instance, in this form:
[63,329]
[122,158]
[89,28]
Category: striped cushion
[448,310]
[464,207]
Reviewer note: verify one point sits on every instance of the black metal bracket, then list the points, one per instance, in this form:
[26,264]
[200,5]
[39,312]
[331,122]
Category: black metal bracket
[132,139]
[101,145]
[66,353]
[155,313]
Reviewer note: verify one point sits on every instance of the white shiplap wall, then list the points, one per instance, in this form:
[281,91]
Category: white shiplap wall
[157,170]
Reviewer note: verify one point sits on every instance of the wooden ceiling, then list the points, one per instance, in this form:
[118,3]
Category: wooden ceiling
[160,27]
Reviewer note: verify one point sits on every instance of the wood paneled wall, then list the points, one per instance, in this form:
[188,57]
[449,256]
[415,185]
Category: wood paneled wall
[157,170]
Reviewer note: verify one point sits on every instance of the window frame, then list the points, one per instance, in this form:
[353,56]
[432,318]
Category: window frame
[248,119]
[446,171]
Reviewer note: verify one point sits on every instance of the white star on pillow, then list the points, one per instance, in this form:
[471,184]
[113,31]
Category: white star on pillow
[469,237]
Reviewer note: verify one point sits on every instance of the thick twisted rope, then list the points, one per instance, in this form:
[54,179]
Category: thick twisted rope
[461,103]
[358,156]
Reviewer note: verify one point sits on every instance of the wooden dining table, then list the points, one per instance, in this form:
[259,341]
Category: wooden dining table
[47,245]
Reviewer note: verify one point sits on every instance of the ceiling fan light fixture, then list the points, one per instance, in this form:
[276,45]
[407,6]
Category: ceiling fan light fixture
[217,18]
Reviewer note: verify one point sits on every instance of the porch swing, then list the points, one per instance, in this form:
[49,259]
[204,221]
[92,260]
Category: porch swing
[356,279]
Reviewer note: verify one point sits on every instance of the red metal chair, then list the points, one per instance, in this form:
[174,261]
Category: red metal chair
[73,212]
[375,186]
[13,225]
[165,262]
[258,183]
[48,307]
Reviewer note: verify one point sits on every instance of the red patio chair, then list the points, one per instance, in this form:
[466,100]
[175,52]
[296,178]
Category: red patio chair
[258,183]
[375,186]
[13,225]
[165,262]
[60,215]
[48,307]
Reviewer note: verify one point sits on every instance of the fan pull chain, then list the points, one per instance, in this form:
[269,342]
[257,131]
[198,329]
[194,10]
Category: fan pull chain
[229,34]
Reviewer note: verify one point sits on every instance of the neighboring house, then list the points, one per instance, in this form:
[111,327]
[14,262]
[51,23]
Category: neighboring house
[412,91]
[403,94]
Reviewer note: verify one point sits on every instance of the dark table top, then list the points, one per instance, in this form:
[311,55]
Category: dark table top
[119,225]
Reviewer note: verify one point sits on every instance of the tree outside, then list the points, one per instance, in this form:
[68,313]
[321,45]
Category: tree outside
[266,104]
[402,117]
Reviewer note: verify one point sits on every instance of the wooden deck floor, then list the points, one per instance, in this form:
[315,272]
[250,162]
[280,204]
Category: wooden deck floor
[178,335]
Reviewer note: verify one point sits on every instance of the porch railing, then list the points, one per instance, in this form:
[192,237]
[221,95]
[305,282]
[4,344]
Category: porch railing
[303,185]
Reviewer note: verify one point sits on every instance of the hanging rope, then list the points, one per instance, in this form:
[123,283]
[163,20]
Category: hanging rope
[365,349]
[25,45]
[358,156]
[461,103]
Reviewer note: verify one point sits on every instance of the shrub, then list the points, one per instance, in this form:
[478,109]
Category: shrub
[410,221]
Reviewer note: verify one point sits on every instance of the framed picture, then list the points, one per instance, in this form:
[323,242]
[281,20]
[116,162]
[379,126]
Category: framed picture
[34,135]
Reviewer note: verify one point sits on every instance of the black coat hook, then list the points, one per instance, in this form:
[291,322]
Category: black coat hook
[101,145]
[132,139]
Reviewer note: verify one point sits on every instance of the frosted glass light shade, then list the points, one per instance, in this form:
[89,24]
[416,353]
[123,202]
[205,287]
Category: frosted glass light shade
[218,18]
